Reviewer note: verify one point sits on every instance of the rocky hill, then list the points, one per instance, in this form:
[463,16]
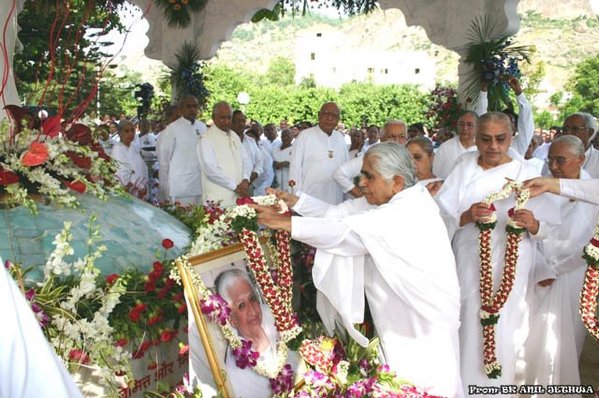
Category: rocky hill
[563,32]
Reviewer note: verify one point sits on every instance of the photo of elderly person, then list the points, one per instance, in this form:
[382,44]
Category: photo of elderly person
[254,322]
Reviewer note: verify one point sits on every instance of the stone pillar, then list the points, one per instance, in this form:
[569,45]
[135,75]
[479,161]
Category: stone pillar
[9,10]
[447,23]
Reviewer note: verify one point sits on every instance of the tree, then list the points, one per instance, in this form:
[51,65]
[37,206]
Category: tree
[62,50]
[281,72]
[584,85]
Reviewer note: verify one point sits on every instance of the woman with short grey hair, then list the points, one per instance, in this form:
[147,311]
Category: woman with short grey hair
[393,159]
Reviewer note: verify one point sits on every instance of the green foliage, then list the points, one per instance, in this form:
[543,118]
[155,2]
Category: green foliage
[276,98]
[545,119]
[281,72]
[533,75]
[584,85]
[375,104]
[71,63]
[116,93]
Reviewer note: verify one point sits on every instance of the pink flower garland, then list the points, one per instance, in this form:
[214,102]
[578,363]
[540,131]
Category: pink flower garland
[278,301]
[590,287]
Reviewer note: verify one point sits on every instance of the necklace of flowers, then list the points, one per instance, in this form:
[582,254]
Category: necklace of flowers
[492,303]
[218,311]
[277,290]
[590,287]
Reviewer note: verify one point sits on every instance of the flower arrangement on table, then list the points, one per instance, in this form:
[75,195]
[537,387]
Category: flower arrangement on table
[590,287]
[51,163]
[492,303]
[444,108]
[493,61]
[102,322]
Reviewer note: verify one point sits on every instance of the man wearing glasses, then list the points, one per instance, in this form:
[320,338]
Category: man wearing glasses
[317,152]
[584,126]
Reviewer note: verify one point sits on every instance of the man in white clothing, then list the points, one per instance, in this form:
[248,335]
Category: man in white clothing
[179,166]
[253,160]
[265,179]
[450,150]
[222,157]
[393,130]
[316,154]
[584,126]
[29,366]
[477,175]
[557,334]
[378,247]
[585,190]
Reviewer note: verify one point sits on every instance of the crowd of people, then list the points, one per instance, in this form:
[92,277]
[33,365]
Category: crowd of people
[373,200]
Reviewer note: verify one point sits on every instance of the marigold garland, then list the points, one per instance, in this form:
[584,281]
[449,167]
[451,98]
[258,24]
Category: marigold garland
[590,287]
[491,303]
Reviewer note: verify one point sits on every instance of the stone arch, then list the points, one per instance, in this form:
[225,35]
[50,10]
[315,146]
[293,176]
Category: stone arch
[208,29]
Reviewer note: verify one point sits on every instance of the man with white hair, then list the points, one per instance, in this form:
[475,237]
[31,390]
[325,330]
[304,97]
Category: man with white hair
[316,154]
[393,130]
[556,330]
[179,166]
[584,126]
[222,156]
[378,247]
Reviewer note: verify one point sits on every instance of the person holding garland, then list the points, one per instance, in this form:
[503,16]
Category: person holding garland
[377,247]
[466,199]
[557,333]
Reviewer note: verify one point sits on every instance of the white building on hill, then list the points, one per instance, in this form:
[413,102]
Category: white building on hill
[328,58]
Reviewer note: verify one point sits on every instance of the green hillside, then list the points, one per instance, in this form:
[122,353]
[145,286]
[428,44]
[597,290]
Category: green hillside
[560,42]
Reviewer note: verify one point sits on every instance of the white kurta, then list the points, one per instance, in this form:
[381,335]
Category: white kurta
[346,173]
[268,175]
[467,184]
[314,158]
[253,160]
[132,168]
[282,174]
[412,291]
[591,162]
[556,331]
[585,190]
[590,165]
[28,365]
[447,155]
[179,173]
[222,158]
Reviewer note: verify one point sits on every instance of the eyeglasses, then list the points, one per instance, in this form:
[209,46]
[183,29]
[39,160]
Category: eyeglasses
[574,129]
[464,125]
[560,160]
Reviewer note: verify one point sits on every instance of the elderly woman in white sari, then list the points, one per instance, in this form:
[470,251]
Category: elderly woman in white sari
[478,174]
[132,171]
[556,331]
[378,247]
